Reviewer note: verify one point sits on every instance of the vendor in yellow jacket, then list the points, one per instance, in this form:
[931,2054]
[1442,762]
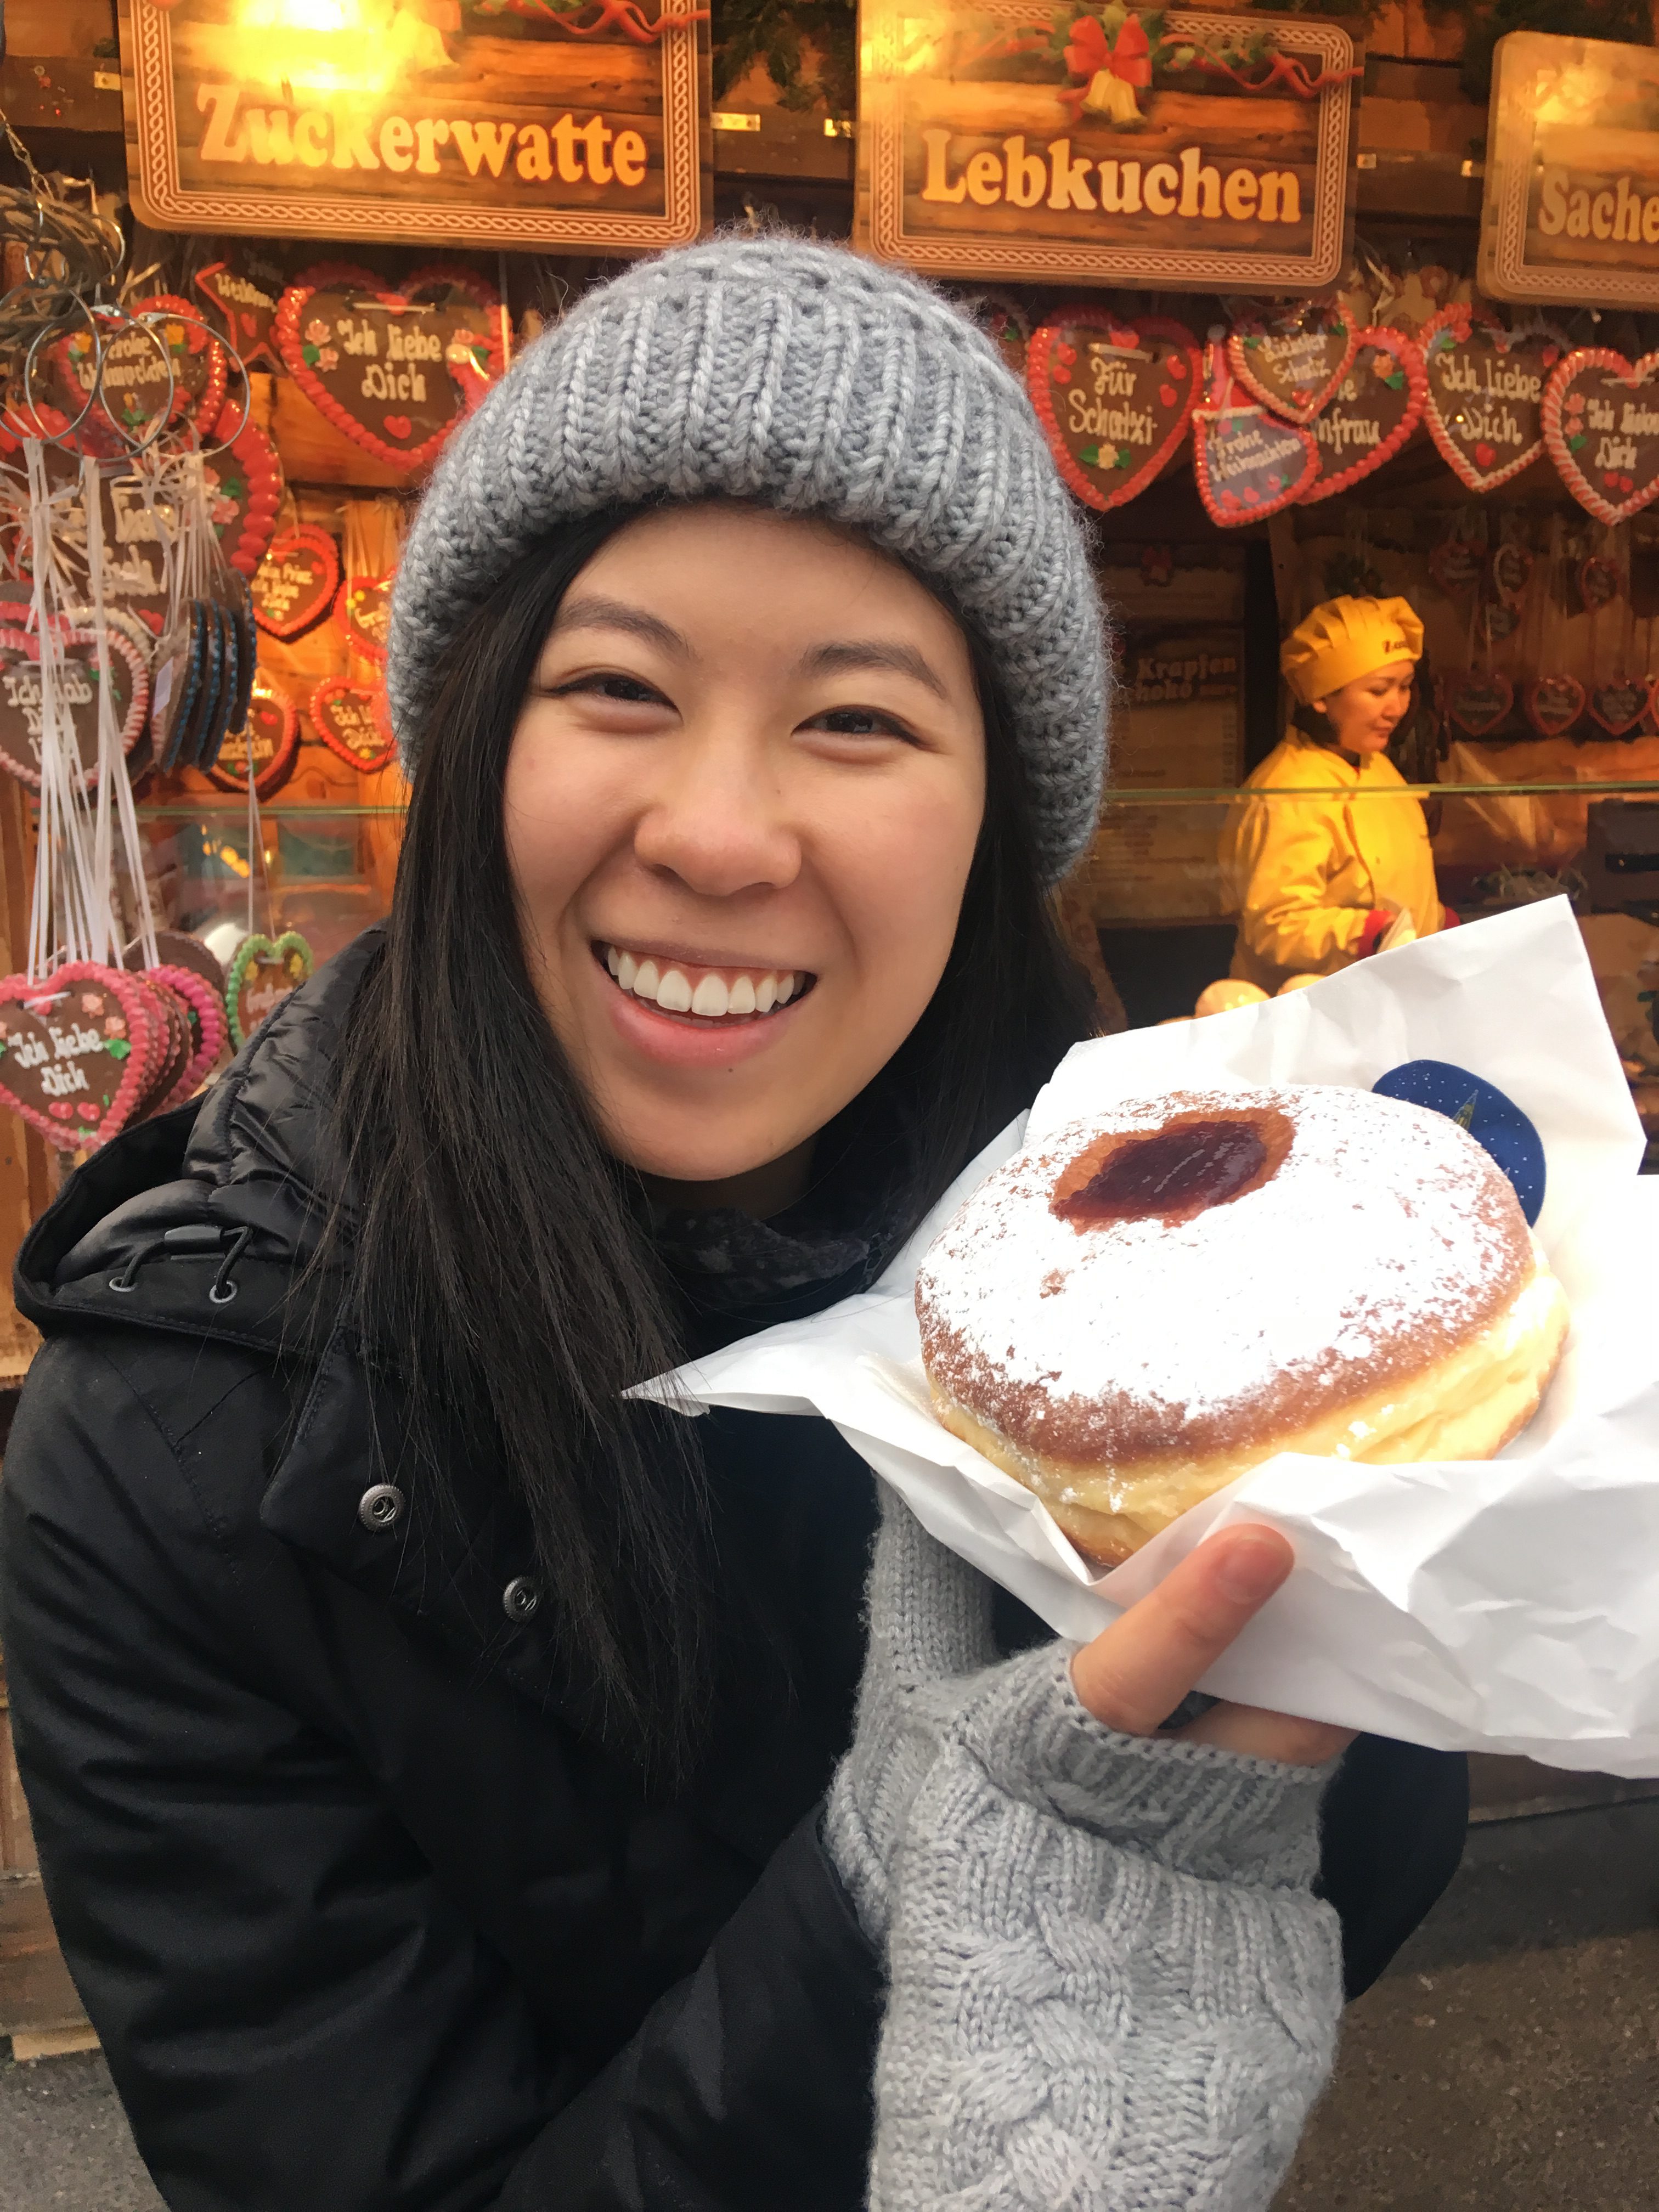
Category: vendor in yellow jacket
[1323,879]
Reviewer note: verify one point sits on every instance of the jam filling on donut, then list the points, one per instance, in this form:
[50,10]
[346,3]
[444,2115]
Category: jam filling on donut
[1178,1171]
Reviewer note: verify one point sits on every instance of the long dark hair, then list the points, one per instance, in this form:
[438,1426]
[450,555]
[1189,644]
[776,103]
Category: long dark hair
[497,1256]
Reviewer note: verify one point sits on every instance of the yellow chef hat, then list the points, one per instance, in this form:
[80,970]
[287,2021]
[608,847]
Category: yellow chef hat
[1345,639]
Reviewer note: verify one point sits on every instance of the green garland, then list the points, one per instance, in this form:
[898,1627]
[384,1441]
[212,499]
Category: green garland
[1486,22]
[776,32]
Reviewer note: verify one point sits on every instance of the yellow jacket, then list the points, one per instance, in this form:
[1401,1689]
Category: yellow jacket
[1304,873]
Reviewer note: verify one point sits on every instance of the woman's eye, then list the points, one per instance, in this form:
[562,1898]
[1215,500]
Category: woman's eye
[857,722]
[623,687]
[628,690]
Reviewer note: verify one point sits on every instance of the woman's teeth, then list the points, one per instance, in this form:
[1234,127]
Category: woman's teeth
[713,996]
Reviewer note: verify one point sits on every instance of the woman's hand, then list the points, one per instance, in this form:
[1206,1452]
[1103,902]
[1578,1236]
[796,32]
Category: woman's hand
[1136,1672]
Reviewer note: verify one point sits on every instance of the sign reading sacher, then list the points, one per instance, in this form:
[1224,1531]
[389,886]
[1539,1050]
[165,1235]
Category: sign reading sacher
[1570,209]
[446,122]
[1181,148]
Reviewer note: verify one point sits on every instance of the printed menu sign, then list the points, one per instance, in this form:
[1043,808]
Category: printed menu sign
[1166,148]
[1178,728]
[471,124]
[1570,210]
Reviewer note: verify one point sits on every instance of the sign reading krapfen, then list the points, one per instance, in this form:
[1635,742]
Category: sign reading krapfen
[470,122]
[1570,213]
[1183,148]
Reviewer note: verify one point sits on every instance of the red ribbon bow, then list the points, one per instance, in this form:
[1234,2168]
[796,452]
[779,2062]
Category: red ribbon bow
[1088,51]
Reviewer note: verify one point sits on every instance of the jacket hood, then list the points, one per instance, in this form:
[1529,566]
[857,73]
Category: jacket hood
[199,1220]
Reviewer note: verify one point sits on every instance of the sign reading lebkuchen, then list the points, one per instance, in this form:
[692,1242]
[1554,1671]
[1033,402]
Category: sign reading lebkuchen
[484,122]
[1570,211]
[1181,148]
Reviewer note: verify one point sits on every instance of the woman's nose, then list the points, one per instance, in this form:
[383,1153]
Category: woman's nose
[717,820]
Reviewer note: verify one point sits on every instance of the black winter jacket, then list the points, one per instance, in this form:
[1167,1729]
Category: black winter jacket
[363,1915]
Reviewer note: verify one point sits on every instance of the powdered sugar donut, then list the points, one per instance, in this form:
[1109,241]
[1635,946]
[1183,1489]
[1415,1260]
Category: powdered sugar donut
[1145,1305]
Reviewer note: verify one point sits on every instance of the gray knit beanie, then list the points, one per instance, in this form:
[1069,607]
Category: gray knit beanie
[819,383]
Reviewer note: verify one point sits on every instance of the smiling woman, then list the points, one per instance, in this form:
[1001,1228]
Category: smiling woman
[743,798]
[459,1783]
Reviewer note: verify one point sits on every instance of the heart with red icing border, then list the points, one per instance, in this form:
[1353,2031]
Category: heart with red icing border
[1618,703]
[1554,704]
[1294,364]
[20,697]
[244,488]
[200,370]
[353,722]
[295,586]
[1483,404]
[272,730]
[209,1029]
[1478,701]
[1376,405]
[391,374]
[1114,398]
[1608,461]
[368,604]
[1248,462]
[76,1051]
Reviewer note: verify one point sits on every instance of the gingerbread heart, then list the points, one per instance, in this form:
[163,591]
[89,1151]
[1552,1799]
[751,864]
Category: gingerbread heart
[1250,462]
[262,975]
[392,374]
[1619,703]
[368,614]
[1554,704]
[1599,583]
[270,734]
[177,948]
[244,486]
[1510,568]
[248,306]
[1115,398]
[76,1051]
[1484,406]
[169,1063]
[1456,564]
[353,724]
[21,704]
[1478,701]
[205,1014]
[117,390]
[1295,363]
[1007,326]
[1601,425]
[199,368]
[1374,409]
[294,585]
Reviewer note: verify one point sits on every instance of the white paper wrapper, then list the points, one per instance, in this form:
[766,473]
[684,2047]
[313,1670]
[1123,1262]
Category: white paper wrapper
[1507,1605]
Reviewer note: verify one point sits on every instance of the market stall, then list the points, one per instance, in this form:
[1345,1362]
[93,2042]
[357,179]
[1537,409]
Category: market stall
[1302,314]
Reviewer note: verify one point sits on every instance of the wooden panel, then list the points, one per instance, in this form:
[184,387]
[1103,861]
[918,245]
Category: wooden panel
[37,27]
[61,95]
[36,1993]
[17,1853]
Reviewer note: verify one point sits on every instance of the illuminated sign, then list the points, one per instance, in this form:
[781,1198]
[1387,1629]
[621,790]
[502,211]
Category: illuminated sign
[1570,209]
[1183,148]
[454,122]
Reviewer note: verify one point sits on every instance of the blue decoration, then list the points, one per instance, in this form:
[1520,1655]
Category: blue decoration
[1491,1118]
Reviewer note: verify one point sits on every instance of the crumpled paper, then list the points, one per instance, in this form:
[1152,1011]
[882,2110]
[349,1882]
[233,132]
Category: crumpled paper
[1506,1605]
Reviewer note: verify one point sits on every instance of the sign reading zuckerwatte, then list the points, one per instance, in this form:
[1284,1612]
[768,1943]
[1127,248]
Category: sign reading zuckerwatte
[1570,210]
[480,123]
[998,139]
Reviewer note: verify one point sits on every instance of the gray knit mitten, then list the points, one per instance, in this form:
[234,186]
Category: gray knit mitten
[1111,1988]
